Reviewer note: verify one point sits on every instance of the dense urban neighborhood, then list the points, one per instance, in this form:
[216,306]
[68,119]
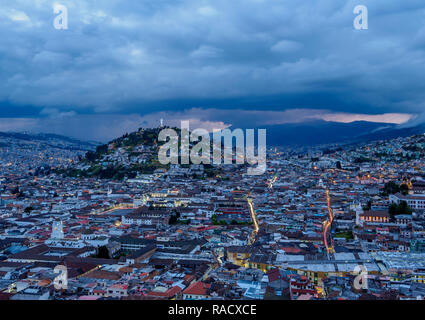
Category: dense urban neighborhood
[332,222]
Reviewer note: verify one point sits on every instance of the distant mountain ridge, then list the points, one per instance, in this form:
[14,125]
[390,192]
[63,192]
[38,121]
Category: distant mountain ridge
[395,132]
[52,140]
[285,135]
[326,132]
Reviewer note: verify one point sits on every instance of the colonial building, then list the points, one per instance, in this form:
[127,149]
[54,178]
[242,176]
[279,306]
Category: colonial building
[146,216]
[374,216]
[414,201]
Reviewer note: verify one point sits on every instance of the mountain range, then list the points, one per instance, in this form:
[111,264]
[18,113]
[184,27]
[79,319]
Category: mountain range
[47,139]
[283,135]
[325,132]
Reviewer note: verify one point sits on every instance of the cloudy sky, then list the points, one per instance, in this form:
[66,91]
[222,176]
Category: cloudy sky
[125,64]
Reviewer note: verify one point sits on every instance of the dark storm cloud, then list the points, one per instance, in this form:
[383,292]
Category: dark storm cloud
[141,57]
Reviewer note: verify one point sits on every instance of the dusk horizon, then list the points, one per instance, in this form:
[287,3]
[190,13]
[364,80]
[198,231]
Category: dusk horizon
[119,66]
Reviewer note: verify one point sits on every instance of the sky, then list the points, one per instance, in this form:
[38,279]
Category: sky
[122,64]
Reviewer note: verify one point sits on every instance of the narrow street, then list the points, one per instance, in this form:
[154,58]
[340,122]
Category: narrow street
[254,220]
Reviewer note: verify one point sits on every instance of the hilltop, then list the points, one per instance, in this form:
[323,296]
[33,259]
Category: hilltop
[124,157]
[127,157]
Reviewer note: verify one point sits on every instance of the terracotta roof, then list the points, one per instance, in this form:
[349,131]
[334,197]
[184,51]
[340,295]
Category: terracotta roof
[102,274]
[171,292]
[197,288]
[375,214]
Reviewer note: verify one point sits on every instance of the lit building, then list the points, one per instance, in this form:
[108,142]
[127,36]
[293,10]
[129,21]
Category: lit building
[57,230]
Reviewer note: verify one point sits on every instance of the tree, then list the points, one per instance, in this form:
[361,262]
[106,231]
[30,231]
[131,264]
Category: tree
[338,165]
[28,209]
[404,208]
[392,210]
[102,149]
[401,208]
[214,219]
[92,156]
[362,160]
[173,219]
[215,222]
[368,206]
[103,253]
[404,189]
[391,188]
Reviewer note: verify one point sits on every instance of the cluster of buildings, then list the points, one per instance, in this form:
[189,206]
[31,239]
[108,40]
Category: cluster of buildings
[317,225]
[35,154]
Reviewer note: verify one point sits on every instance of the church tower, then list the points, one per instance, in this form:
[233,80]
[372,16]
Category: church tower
[57,230]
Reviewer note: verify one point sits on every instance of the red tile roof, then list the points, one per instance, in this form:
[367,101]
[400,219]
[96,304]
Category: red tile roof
[197,288]
[167,294]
